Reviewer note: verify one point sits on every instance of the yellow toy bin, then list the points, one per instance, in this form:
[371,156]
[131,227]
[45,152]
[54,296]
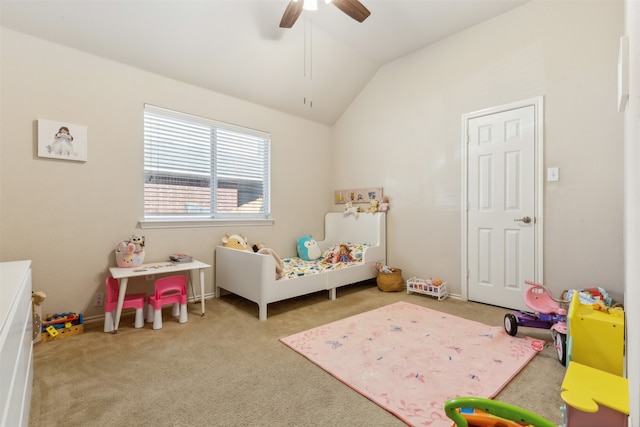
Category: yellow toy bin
[596,338]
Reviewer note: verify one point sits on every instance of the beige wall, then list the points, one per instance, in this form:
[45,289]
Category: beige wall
[405,131]
[67,217]
[401,133]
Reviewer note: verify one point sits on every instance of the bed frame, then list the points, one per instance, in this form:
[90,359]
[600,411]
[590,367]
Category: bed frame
[252,276]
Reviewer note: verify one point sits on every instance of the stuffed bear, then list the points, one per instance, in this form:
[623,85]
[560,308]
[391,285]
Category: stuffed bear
[308,248]
[373,206]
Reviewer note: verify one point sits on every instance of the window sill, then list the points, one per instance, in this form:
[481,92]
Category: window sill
[197,223]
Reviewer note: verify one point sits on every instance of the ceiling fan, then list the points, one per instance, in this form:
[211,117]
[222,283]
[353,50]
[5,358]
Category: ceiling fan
[353,8]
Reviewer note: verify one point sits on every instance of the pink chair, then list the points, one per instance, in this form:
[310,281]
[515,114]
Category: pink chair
[136,301]
[169,290]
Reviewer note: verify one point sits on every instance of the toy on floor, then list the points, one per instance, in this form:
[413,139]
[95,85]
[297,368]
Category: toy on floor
[547,314]
[37,298]
[51,330]
[62,325]
[480,412]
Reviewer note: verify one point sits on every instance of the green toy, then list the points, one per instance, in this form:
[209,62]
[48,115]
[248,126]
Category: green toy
[493,413]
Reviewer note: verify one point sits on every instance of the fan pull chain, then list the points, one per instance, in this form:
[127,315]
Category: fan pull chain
[308,61]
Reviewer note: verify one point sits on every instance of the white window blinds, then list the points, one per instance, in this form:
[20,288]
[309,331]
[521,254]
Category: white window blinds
[195,168]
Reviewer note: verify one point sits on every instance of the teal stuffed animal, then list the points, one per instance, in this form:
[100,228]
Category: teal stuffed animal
[308,248]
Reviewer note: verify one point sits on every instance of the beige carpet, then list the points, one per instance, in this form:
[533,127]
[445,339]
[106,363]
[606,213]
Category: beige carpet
[229,369]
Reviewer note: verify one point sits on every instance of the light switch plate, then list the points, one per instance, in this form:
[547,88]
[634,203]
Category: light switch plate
[553,174]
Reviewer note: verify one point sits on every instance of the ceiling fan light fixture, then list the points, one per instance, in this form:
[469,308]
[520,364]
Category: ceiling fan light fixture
[353,8]
[310,5]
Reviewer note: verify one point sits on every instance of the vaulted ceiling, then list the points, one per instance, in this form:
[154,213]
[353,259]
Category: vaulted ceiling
[313,70]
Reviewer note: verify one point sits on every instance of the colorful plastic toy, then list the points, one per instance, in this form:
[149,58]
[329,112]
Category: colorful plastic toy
[51,330]
[480,412]
[62,325]
[547,314]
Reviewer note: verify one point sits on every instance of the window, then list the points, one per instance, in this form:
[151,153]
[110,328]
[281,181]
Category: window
[197,169]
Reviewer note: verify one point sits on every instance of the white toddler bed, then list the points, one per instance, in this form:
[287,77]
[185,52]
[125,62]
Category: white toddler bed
[252,275]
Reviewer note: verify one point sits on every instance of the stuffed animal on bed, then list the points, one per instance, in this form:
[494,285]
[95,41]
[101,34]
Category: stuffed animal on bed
[350,209]
[236,241]
[260,248]
[343,254]
[373,206]
[384,205]
[308,248]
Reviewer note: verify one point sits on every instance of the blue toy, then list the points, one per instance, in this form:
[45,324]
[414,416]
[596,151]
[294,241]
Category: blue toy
[308,248]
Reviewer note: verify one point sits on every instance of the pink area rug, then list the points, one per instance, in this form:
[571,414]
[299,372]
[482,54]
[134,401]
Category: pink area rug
[410,360]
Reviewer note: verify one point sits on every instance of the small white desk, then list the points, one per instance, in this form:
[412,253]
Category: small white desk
[123,275]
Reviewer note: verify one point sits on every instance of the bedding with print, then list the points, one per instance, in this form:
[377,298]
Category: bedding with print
[295,267]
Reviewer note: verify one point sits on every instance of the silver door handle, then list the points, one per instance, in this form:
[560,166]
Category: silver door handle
[526,219]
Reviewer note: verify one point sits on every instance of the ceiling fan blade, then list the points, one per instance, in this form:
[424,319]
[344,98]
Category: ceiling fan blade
[353,8]
[291,14]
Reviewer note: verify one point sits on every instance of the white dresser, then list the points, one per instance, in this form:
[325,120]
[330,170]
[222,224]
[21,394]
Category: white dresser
[16,344]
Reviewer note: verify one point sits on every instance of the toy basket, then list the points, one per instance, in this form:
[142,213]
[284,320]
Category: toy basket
[390,282]
[130,260]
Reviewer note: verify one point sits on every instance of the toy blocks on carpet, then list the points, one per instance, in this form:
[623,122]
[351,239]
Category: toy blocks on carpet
[58,326]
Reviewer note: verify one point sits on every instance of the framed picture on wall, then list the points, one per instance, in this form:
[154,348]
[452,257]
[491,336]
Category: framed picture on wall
[357,195]
[62,140]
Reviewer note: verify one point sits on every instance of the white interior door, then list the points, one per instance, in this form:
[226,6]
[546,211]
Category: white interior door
[501,206]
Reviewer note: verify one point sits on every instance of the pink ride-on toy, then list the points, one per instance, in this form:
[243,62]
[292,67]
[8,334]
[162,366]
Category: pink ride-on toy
[548,314]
